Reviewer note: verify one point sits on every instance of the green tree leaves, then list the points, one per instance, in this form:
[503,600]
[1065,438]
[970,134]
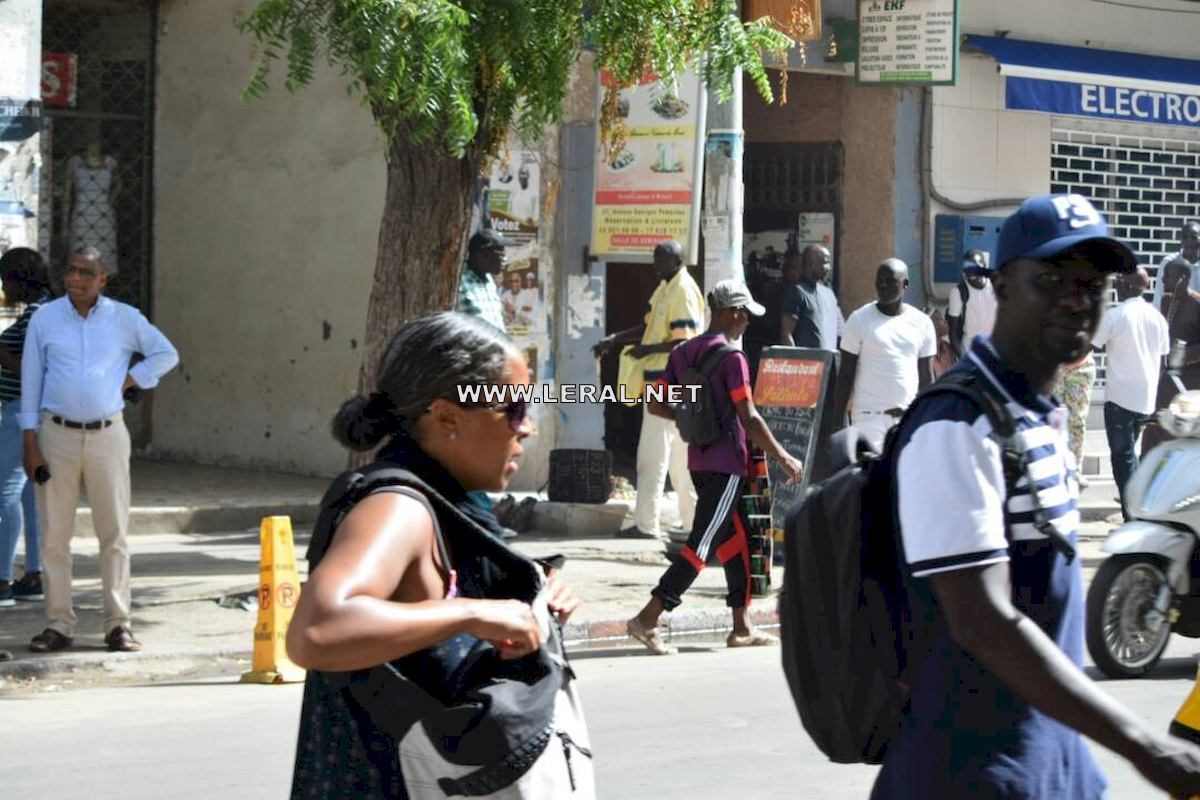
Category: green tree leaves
[459,75]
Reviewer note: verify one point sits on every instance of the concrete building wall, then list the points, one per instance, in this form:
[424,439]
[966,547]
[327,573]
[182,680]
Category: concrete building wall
[1161,27]
[267,217]
[824,108]
[981,151]
[985,155]
[266,220]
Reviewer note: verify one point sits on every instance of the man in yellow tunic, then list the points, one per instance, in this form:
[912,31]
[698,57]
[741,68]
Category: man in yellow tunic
[676,314]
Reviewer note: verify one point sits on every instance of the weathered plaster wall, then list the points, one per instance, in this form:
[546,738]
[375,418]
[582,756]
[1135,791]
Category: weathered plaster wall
[266,220]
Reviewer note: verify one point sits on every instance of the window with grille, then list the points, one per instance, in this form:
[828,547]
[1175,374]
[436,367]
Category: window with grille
[793,176]
[97,146]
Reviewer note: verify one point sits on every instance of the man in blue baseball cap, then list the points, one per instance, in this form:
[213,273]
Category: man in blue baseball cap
[998,696]
[972,308]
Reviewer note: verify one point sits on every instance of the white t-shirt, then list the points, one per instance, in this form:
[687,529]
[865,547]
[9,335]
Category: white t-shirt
[1137,339]
[981,312]
[832,323]
[1162,268]
[888,349]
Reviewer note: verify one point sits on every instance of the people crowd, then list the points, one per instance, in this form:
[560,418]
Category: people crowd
[414,589]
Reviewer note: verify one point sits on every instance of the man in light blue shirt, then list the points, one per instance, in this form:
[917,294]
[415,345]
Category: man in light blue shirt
[75,375]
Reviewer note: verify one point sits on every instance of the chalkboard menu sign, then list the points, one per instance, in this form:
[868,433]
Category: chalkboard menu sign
[790,393]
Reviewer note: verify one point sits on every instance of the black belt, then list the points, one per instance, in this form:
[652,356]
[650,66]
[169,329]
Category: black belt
[82,426]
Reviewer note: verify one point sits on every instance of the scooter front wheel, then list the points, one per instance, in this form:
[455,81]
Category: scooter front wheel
[1126,633]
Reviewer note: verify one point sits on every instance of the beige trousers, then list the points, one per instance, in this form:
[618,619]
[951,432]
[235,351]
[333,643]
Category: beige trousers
[661,450]
[100,460]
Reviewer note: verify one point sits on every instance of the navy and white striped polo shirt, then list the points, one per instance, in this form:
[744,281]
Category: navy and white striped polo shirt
[966,734]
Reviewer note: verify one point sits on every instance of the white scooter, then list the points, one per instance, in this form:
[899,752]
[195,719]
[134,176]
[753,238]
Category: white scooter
[1149,586]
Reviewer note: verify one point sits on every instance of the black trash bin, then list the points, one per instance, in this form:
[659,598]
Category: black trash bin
[580,476]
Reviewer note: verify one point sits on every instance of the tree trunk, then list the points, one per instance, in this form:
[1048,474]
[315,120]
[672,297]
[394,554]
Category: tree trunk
[427,212]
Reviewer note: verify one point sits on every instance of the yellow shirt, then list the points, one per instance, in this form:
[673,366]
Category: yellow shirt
[676,313]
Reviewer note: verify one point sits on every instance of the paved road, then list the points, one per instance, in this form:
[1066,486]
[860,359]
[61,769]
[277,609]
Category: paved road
[709,723]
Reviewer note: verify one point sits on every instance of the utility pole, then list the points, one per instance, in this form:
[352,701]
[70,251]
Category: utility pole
[721,222]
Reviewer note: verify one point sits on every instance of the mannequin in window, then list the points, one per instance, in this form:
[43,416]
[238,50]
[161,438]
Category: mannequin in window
[93,185]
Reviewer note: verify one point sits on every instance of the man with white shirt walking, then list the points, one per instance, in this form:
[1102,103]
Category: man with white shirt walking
[1137,339]
[75,376]
[1189,251]
[972,309]
[887,355]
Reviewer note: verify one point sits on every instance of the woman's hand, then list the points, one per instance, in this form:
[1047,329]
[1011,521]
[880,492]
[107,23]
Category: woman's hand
[509,625]
[560,598]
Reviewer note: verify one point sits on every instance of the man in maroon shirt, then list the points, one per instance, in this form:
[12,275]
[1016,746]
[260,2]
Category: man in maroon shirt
[720,472]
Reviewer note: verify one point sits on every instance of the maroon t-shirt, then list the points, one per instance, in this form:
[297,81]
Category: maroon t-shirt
[730,382]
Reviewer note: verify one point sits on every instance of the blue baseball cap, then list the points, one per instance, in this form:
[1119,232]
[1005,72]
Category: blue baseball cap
[1045,226]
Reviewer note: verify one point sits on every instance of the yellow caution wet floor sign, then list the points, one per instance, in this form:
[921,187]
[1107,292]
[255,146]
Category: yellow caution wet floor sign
[278,591]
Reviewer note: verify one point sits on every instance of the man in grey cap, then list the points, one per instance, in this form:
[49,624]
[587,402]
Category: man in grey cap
[719,470]
[477,292]
[887,356]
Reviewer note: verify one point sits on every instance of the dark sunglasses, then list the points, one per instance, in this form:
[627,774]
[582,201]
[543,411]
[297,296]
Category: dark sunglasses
[517,412]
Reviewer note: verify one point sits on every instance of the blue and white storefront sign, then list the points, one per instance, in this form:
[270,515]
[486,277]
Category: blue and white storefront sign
[1104,84]
[1121,103]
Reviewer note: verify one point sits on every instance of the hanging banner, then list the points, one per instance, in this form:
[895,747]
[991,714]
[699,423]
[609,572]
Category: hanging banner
[650,191]
[911,42]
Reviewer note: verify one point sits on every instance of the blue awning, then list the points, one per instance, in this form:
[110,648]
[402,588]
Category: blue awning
[1056,62]
[1107,84]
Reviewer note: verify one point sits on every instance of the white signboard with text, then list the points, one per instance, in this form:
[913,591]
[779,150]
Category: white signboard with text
[907,42]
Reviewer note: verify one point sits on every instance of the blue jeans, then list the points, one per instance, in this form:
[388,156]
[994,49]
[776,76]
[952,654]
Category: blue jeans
[1123,428]
[16,494]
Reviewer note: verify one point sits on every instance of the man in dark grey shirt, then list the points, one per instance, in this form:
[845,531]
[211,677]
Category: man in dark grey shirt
[801,309]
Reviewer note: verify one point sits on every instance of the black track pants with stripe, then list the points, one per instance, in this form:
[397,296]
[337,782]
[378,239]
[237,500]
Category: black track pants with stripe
[720,527]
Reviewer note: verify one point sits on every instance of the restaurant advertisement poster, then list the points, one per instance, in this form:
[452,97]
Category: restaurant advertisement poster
[650,190]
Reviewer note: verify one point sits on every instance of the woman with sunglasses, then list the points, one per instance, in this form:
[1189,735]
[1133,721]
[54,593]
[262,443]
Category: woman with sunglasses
[407,570]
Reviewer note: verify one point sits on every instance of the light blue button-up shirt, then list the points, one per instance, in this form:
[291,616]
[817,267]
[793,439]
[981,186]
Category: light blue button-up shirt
[75,366]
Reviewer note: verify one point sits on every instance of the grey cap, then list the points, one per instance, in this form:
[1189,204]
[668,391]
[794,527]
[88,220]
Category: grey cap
[734,294]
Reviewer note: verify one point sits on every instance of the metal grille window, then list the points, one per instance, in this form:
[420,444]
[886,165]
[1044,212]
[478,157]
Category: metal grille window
[793,176]
[97,144]
[1144,178]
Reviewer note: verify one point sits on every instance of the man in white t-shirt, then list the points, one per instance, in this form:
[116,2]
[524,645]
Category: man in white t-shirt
[972,309]
[1137,339]
[1189,251]
[887,356]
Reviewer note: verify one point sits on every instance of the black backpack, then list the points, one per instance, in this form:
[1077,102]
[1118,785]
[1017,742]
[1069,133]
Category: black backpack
[696,416]
[851,636]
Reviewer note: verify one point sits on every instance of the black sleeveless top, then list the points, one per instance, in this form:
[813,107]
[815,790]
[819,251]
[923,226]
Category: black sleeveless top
[341,753]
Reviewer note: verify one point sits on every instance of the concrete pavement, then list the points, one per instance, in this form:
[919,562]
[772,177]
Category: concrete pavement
[707,724]
[192,586]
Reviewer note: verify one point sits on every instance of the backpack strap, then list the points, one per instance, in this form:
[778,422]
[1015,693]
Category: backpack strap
[712,360]
[1014,458]
[964,294]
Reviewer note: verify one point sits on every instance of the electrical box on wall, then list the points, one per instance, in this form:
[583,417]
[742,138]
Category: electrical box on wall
[955,234]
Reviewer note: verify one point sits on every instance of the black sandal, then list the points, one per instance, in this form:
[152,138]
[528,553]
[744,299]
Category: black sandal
[49,641]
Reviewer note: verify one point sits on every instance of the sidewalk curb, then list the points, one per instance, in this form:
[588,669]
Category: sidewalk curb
[142,663]
[156,665]
[149,520]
